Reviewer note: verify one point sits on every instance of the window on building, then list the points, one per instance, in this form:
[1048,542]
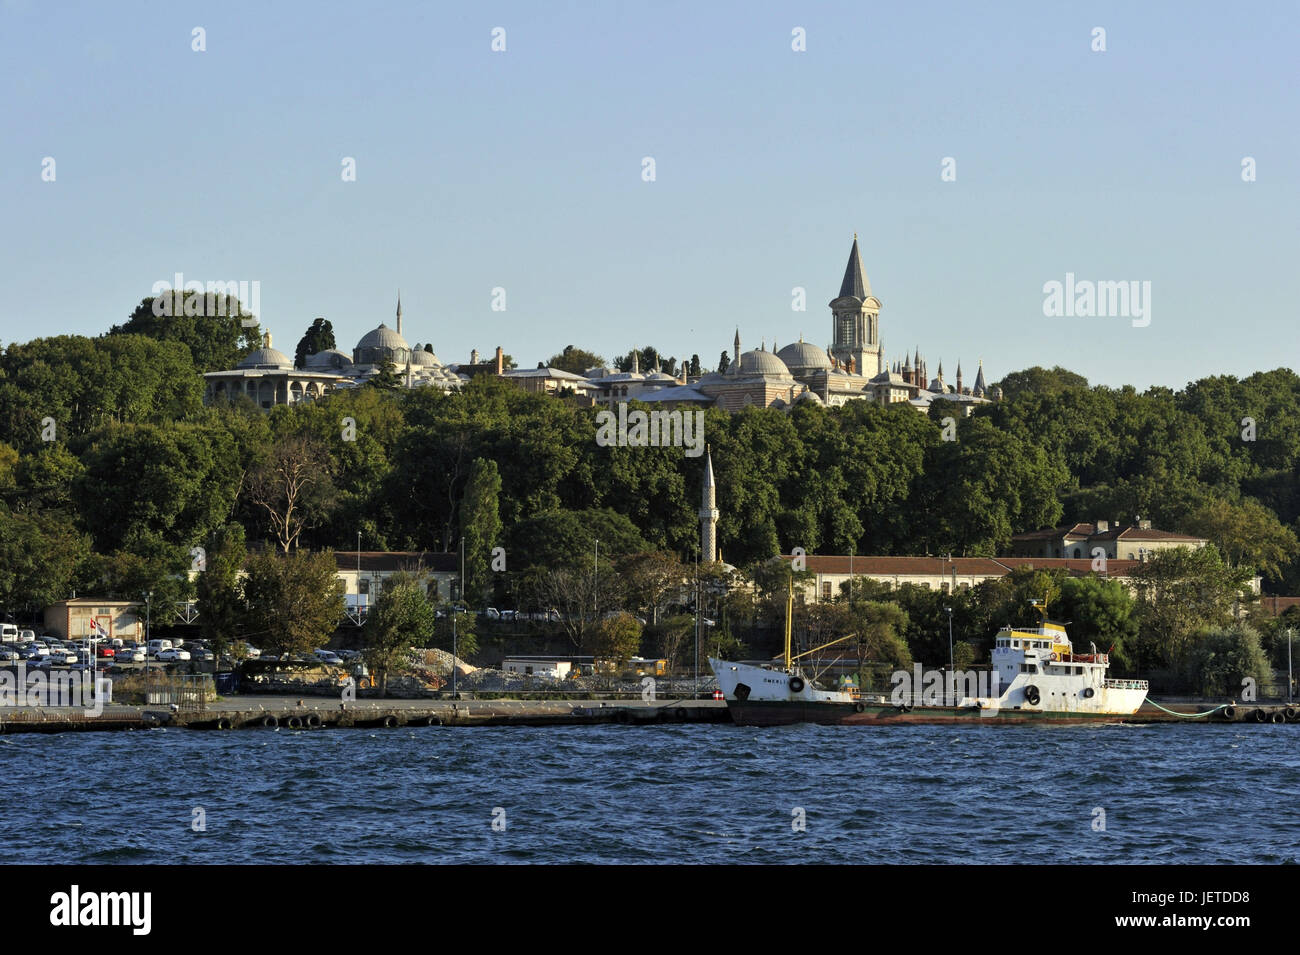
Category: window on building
[363,586]
[826,590]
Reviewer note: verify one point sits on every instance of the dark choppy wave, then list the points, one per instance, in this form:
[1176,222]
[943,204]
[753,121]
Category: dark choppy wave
[1204,794]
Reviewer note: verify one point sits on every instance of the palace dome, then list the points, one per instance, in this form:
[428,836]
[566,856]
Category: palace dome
[330,358]
[763,363]
[804,357]
[380,345]
[266,357]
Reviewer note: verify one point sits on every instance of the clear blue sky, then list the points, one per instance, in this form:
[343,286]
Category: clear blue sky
[522,169]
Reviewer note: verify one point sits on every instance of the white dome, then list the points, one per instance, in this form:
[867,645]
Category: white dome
[804,357]
[329,358]
[763,363]
[267,358]
[380,345]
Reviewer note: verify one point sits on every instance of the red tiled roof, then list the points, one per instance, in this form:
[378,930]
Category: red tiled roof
[867,566]
[1275,606]
[1050,533]
[1089,531]
[392,560]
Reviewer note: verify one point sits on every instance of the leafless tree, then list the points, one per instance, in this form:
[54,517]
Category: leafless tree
[294,487]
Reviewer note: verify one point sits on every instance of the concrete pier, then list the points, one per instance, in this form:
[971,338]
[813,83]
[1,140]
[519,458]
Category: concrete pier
[270,712]
[261,712]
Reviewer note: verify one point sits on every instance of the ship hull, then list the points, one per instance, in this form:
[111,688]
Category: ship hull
[782,713]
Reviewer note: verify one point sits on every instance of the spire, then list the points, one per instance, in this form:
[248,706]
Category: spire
[855,279]
[979,387]
[399,311]
[266,340]
[736,356]
[708,512]
[636,362]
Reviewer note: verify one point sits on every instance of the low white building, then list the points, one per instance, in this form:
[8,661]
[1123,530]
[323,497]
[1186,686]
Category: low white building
[549,667]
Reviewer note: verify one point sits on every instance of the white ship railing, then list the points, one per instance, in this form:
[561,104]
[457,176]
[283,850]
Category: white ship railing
[1125,684]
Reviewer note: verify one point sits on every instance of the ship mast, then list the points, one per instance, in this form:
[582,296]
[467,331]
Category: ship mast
[789,609]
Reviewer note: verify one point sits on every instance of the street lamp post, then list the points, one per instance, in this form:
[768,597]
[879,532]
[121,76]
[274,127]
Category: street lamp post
[1289,679]
[148,599]
[453,651]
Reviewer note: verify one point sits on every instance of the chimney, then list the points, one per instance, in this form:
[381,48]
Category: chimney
[1103,526]
[1144,525]
[500,361]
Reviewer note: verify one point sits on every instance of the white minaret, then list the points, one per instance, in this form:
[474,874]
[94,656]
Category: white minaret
[708,514]
[399,312]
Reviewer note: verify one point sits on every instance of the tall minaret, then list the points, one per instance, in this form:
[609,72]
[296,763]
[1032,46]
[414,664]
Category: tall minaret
[399,311]
[708,514]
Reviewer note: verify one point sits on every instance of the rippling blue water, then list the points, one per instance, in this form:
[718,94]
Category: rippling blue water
[1208,794]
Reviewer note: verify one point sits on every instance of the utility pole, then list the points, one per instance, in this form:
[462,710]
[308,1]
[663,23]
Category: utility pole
[695,695]
[952,674]
[148,599]
[453,651]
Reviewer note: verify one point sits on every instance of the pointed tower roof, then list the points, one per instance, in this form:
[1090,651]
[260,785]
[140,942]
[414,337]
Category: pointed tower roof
[708,473]
[855,279]
[399,311]
[636,362]
[979,387]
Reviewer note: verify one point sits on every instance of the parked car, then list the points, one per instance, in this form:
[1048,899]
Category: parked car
[328,656]
[125,655]
[202,653]
[62,655]
[492,613]
[105,653]
[8,655]
[171,655]
[349,655]
[8,633]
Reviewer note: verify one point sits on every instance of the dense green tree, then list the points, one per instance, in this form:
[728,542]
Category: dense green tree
[318,337]
[575,360]
[219,588]
[151,485]
[293,602]
[1039,380]
[402,618]
[39,555]
[1227,660]
[1246,534]
[209,326]
[615,640]
[1182,592]
[59,389]
[480,527]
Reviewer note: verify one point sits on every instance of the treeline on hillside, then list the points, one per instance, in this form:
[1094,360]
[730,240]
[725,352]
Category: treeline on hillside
[112,471]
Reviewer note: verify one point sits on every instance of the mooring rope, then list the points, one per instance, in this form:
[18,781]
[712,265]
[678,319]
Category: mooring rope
[1190,716]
